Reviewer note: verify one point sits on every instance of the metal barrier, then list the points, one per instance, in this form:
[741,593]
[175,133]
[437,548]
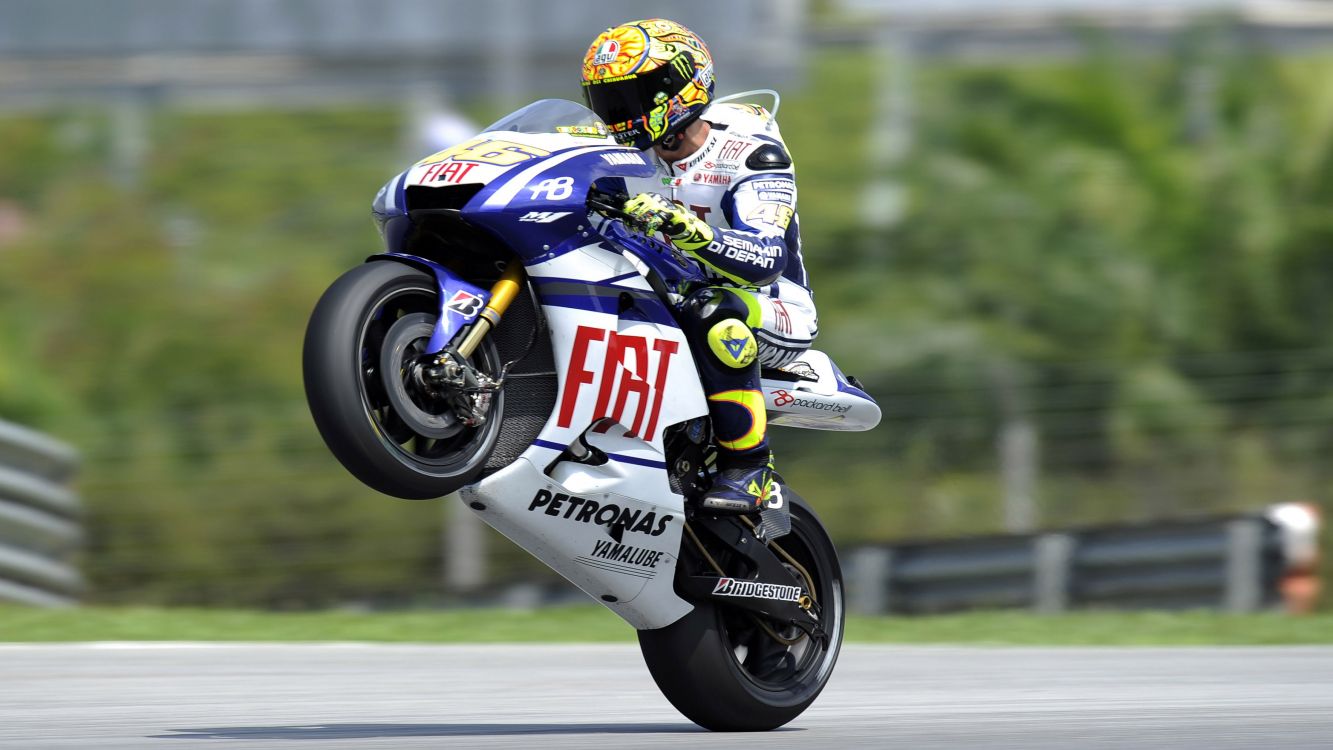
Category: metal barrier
[1238,564]
[40,527]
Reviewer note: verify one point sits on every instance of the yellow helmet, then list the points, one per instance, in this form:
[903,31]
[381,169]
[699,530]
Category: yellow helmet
[647,80]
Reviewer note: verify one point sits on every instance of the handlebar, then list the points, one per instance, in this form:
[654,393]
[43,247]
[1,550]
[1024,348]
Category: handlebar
[609,203]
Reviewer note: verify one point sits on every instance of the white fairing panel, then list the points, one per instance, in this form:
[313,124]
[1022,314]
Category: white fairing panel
[821,399]
[572,532]
[613,529]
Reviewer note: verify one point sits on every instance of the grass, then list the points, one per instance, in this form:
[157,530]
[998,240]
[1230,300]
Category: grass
[585,624]
[596,625]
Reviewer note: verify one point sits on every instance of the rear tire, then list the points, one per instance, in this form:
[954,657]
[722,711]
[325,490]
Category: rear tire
[703,662]
[371,321]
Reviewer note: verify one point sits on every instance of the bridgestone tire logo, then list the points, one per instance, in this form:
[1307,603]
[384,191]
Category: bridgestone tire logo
[756,590]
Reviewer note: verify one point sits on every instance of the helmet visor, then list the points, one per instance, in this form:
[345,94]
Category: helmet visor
[630,105]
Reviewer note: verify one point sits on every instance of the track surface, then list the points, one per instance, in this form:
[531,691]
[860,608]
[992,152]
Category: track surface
[246,696]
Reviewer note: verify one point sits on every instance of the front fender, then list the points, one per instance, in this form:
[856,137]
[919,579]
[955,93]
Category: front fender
[460,300]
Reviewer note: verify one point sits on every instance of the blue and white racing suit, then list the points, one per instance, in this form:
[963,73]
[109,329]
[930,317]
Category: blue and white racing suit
[741,182]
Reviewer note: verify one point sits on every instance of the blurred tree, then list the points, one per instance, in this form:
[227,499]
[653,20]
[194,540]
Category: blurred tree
[1063,213]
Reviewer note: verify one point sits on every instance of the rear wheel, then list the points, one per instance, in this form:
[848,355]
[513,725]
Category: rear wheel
[366,335]
[727,669]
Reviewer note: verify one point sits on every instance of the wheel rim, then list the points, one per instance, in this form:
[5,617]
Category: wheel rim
[420,431]
[774,666]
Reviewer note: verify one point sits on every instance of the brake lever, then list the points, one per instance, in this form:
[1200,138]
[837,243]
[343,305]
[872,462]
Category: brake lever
[609,204]
[609,210]
[614,211]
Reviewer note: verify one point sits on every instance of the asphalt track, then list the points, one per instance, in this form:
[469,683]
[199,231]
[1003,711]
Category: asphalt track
[246,696]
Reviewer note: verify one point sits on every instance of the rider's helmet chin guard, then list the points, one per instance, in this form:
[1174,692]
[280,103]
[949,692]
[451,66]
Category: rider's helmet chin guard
[647,80]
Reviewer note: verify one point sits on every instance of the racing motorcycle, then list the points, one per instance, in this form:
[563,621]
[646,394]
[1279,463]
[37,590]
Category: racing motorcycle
[516,347]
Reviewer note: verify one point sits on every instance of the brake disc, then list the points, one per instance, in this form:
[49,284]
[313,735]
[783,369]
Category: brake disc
[423,413]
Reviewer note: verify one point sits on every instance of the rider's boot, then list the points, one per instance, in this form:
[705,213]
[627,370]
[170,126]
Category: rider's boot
[741,487]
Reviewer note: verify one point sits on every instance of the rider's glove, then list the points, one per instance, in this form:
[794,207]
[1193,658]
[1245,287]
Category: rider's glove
[651,212]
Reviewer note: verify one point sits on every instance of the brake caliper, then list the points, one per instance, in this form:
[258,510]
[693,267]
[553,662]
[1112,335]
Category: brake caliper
[467,390]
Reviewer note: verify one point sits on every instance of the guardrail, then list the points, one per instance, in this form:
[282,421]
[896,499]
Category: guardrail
[1238,564]
[40,520]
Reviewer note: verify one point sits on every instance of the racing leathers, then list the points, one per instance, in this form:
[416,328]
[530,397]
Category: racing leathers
[739,190]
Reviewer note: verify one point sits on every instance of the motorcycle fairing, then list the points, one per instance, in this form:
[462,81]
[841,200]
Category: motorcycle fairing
[389,210]
[651,366]
[511,205]
[605,296]
[624,373]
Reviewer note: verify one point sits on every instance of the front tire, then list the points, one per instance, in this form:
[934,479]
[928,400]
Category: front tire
[367,327]
[724,673]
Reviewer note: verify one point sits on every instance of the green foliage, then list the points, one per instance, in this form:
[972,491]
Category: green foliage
[1131,239]
[578,624]
[174,361]
[1130,253]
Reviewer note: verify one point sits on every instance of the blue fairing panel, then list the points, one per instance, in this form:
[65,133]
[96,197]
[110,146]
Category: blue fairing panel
[546,202]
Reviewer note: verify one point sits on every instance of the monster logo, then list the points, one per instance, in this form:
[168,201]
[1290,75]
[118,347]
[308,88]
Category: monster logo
[683,66]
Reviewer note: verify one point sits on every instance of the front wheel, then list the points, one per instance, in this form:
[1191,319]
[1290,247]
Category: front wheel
[728,670]
[364,338]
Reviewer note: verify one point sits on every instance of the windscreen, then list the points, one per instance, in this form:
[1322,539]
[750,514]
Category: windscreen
[552,116]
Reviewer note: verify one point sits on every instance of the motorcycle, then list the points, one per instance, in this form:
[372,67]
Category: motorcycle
[516,347]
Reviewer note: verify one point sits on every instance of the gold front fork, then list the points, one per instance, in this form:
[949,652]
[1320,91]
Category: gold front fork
[502,295]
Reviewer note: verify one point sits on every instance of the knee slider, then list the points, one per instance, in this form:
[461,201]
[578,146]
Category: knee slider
[732,342]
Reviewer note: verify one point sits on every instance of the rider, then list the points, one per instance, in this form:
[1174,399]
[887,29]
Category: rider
[725,193]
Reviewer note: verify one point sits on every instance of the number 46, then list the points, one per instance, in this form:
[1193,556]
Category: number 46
[556,189]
